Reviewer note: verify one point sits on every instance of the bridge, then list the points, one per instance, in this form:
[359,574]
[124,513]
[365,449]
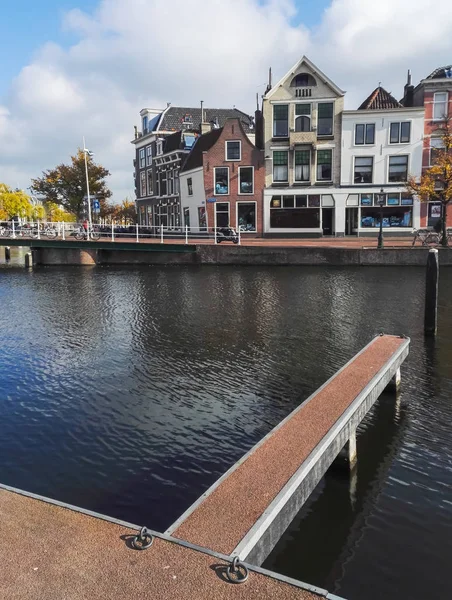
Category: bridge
[50,549]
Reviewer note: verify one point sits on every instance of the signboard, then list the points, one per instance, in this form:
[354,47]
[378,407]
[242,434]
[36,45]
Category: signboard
[96,206]
[211,200]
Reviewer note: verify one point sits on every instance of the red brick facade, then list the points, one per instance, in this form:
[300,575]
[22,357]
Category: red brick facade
[430,127]
[251,156]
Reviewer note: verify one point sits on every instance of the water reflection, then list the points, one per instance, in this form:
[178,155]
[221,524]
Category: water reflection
[129,391]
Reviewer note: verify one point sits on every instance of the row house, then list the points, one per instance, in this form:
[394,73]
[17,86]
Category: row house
[222,181]
[161,146]
[302,132]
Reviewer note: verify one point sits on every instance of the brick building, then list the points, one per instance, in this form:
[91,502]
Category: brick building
[222,181]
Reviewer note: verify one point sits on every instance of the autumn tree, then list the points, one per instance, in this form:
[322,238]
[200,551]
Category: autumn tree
[65,185]
[126,211]
[57,214]
[14,203]
[435,183]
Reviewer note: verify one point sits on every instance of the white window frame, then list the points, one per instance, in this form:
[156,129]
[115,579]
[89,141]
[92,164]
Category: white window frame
[143,181]
[399,123]
[373,169]
[435,102]
[238,190]
[215,183]
[365,131]
[273,167]
[407,169]
[442,147]
[226,150]
[159,148]
[319,148]
[229,209]
[142,158]
[237,214]
[301,116]
[149,188]
[305,181]
[149,156]
[326,135]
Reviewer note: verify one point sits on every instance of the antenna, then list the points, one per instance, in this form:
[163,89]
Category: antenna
[202,111]
[257,101]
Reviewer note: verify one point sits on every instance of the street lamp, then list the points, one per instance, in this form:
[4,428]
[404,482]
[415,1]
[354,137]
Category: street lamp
[87,153]
[381,202]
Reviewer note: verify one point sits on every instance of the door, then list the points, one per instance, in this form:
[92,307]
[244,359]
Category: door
[187,217]
[222,210]
[327,221]
[351,221]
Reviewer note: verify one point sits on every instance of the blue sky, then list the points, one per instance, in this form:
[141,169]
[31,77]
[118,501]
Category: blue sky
[43,23]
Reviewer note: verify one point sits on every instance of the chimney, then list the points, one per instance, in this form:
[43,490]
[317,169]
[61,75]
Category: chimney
[136,131]
[204,127]
[408,97]
[269,86]
[258,126]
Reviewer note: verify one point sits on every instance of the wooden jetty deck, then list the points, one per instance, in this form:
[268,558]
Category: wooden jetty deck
[51,551]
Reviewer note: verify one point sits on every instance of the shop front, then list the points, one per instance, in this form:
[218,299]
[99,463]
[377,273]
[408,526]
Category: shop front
[363,213]
[299,214]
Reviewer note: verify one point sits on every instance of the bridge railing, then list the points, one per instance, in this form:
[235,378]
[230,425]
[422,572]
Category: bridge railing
[117,232]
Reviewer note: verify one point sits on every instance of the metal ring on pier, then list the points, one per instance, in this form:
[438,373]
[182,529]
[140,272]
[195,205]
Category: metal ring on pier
[143,540]
[236,572]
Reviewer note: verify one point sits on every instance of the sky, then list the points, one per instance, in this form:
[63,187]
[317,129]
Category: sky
[74,68]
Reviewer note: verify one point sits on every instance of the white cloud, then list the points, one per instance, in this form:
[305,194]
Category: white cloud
[136,53]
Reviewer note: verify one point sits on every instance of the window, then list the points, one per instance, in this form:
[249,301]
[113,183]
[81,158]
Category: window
[190,186]
[295,212]
[280,120]
[439,106]
[246,216]
[145,124]
[363,169]
[302,165]
[142,184]
[393,216]
[176,182]
[246,180]
[325,118]
[149,156]
[303,80]
[222,181]
[163,183]
[159,148]
[170,183]
[142,159]
[398,168]
[365,134]
[436,144]
[324,162]
[149,177]
[222,212]
[280,165]
[233,150]
[400,133]
[302,117]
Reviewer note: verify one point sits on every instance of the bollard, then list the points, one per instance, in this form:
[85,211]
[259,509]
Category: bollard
[161,234]
[7,253]
[431,293]
[186,234]
[137,234]
[28,260]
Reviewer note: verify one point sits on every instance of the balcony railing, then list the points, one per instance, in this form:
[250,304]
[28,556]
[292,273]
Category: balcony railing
[303,137]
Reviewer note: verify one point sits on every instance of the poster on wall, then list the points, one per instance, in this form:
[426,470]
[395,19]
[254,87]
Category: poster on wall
[435,211]
[202,217]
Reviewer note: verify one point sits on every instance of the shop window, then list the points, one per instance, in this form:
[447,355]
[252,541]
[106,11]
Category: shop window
[364,166]
[377,198]
[302,165]
[246,180]
[393,216]
[325,118]
[398,168]
[301,201]
[314,201]
[222,210]
[295,212]
[222,181]
[233,150]
[246,216]
[324,165]
[400,133]
[280,120]
[288,201]
[366,199]
[406,199]
[280,165]
[190,186]
[364,134]
[302,117]
[393,200]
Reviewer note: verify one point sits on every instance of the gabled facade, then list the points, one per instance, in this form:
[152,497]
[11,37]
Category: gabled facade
[165,138]
[381,145]
[302,136]
[222,182]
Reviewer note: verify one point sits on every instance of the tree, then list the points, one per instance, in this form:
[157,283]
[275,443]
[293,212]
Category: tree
[435,183]
[38,213]
[56,214]
[66,184]
[125,211]
[14,203]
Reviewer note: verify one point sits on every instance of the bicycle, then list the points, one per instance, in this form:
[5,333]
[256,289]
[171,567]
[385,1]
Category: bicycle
[81,234]
[421,235]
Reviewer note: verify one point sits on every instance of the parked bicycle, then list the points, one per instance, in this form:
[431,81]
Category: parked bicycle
[428,237]
[81,234]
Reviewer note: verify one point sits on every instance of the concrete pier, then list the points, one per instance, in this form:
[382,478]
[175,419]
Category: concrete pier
[7,253]
[28,260]
[431,293]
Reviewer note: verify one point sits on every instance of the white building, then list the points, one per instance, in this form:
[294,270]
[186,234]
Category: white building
[382,144]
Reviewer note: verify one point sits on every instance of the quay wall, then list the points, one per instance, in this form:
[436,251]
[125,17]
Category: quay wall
[239,255]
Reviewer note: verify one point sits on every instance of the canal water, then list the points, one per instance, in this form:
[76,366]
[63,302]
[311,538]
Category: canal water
[129,391]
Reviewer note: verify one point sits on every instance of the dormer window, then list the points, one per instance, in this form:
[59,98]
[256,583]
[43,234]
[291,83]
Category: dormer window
[145,124]
[303,80]
[188,119]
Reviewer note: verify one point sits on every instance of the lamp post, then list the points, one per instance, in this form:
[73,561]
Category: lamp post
[381,203]
[87,153]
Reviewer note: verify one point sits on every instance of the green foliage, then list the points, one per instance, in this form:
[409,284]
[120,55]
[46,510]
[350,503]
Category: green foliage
[56,214]
[65,185]
[14,203]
